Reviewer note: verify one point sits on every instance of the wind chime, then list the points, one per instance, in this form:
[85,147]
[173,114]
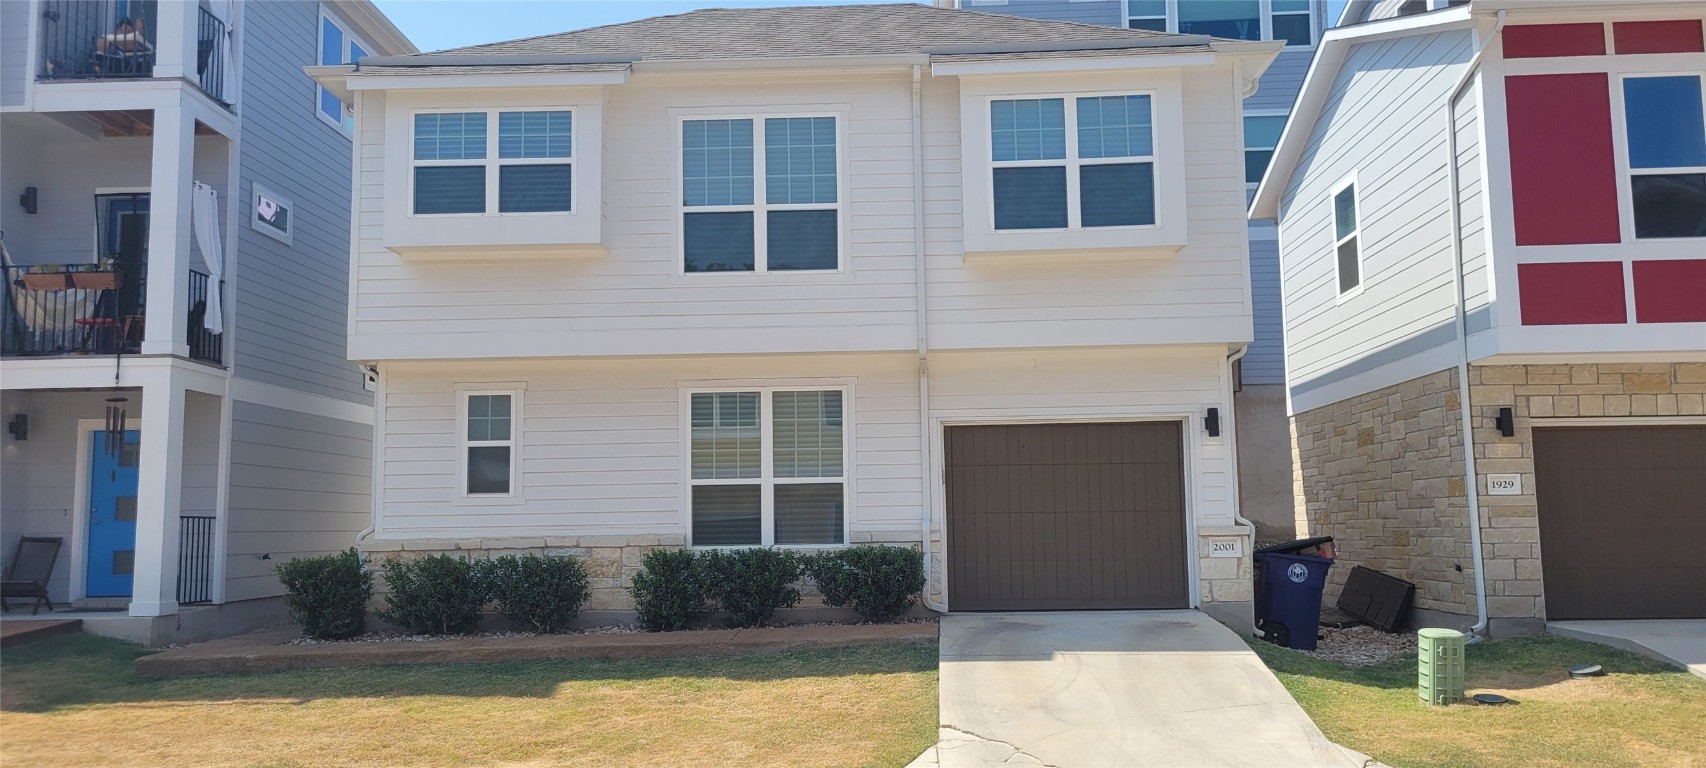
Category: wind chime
[115,424]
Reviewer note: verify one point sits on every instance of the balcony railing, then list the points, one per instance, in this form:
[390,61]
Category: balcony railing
[106,39]
[211,55]
[61,310]
[97,39]
[195,559]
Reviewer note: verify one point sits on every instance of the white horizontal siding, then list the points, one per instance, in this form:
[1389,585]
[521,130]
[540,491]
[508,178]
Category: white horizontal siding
[1385,122]
[601,448]
[1472,202]
[632,302]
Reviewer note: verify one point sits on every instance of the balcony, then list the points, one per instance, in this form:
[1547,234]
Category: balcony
[119,39]
[60,310]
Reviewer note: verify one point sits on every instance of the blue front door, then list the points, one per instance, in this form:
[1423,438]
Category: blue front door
[112,515]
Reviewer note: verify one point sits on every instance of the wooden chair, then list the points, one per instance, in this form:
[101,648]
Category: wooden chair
[32,565]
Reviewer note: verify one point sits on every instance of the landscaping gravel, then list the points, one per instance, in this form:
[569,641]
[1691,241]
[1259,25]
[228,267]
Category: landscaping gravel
[1362,645]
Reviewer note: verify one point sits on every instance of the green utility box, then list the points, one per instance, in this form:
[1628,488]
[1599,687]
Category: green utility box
[1439,666]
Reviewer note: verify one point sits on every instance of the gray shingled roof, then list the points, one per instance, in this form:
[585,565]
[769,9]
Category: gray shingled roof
[834,30]
[460,69]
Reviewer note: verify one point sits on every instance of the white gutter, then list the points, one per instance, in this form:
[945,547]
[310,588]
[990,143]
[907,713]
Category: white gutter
[926,467]
[1465,414]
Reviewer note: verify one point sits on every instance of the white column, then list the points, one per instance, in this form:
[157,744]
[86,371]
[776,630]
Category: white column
[159,491]
[174,54]
[169,231]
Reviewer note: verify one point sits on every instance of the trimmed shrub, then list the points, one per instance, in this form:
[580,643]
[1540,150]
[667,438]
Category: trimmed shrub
[881,583]
[671,589]
[752,584]
[437,594]
[544,593]
[327,595]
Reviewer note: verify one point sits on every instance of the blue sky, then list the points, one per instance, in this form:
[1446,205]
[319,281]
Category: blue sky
[435,24]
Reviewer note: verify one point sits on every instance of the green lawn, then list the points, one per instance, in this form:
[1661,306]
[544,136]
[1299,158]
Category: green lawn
[76,701]
[1641,713]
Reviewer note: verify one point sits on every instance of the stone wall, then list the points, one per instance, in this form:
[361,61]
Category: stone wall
[1264,474]
[1382,473]
[1618,392]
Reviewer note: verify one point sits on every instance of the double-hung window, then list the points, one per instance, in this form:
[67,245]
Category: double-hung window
[1077,163]
[1665,123]
[1261,136]
[760,195]
[488,422]
[767,466]
[462,166]
[1347,251]
[337,46]
[1287,20]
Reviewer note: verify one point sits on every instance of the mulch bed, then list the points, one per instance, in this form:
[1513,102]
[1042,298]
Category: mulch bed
[1362,645]
[277,649]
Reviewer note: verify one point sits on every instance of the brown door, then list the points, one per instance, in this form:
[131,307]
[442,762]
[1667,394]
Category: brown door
[1622,521]
[1066,517]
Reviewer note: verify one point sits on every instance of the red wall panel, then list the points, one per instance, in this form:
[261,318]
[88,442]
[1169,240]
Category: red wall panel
[1658,36]
[1571,293]
[1670,291]
[1563,177]
[1529,41]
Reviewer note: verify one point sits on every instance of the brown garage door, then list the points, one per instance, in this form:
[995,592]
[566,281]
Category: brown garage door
[1622,521]
[1066,516]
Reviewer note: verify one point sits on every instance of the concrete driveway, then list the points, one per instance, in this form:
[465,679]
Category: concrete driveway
[1681,642]
[1152,688]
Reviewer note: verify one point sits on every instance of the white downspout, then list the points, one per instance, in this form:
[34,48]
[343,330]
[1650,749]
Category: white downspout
[1230,432]
[926,467]
[1465,413]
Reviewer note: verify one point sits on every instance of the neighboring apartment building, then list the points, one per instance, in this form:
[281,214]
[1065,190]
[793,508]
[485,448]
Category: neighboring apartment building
[814,277]
[179,407]
[1264,467]
[1538,223]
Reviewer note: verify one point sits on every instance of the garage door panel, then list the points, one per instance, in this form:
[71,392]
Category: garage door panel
[1066,516]
[1622,515]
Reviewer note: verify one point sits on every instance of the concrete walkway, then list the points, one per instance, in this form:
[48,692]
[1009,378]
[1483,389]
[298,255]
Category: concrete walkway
[1128,689]
[1681,642]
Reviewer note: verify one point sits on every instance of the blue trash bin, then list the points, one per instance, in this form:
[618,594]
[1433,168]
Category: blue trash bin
[1289,611]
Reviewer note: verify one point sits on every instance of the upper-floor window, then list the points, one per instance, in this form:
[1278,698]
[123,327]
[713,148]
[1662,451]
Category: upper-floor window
[461,166]
[1261,136]
[1287,20]
[767,467]
[760,195]
[1347,251]
[337,46]
[1072,163]
[1665,123]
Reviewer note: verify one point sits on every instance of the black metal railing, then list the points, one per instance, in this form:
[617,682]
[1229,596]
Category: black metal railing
[205,345]
[95,39]
[52,311]
[195,559]
[210,54]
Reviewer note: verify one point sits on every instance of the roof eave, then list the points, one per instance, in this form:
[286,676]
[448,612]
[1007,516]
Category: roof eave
[1317,85]
[378,26]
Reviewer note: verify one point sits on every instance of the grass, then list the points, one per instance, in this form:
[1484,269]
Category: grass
[1641,713]
[76,701]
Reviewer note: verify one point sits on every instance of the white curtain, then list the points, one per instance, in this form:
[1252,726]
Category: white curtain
[204,216]
[224,10]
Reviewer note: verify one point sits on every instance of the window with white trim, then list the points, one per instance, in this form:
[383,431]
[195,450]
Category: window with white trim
[270,214]
[1080,163]
[1261,136]
[460,166]
[488,424]
[760,195]
[1291,21]
[337,46]
[1347,250]
[767,466]
[1664,121]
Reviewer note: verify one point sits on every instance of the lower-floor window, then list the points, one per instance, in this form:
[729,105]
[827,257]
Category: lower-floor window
[488,450]
[767,466]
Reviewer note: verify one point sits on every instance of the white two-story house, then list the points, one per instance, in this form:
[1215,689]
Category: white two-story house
[1493,224]
[180,414]
[813,277]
